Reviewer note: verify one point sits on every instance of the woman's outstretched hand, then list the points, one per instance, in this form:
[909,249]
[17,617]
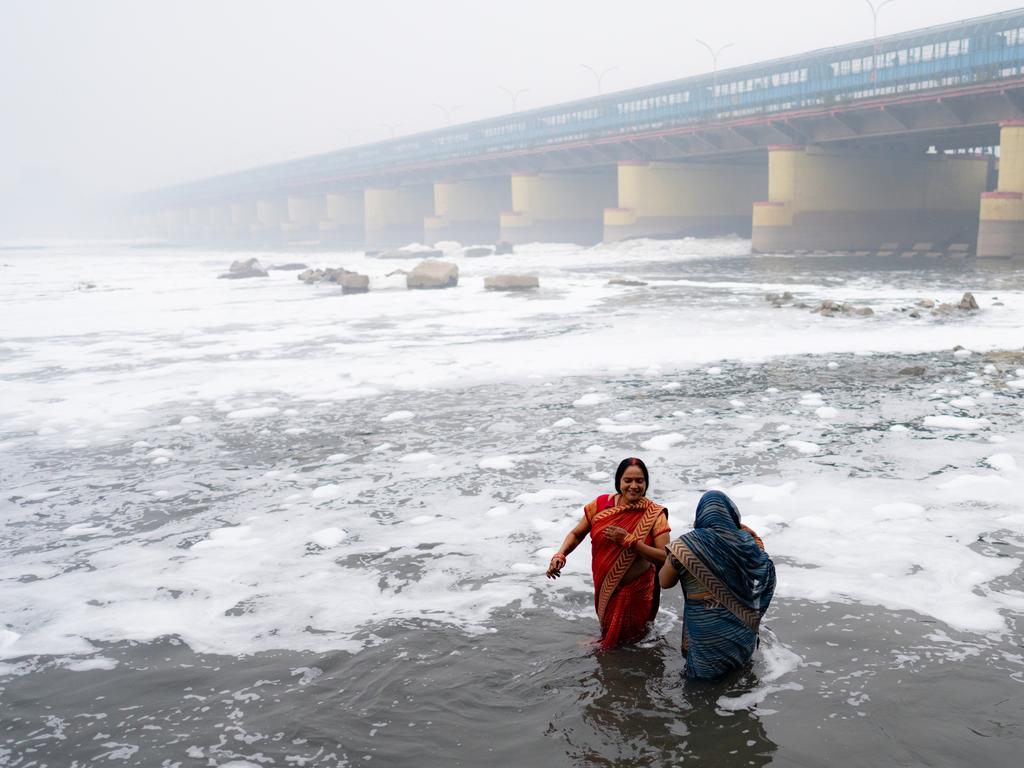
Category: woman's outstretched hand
[555,567]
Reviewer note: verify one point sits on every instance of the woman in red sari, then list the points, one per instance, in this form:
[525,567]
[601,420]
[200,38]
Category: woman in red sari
[628,535]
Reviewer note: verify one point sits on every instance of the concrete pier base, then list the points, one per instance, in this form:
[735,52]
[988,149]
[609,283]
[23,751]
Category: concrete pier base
[1001,218]
[684,199]
[850,201]
[559,207]
[393,216]
[468,211]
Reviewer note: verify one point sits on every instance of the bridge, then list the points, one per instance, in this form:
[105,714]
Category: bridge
[910,138]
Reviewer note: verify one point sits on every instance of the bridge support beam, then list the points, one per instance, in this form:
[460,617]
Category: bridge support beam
[1001,220]
[854,200]
[559,207]
[395,215]
[344,217]
[681,199]
[468,211]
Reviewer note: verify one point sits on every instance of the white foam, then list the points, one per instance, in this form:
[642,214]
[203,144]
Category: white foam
[963,402]
[398,416]
[955,422]
[329,537]
[713,371]
[328,491]
[565,422]
[663,442]
[591,398]
[415,458]
[499,462]
[826,412]
[803,446]
[1004,462]
[548,495]
[261,412]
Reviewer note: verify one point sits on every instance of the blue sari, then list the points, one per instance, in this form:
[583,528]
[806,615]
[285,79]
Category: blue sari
[720,628]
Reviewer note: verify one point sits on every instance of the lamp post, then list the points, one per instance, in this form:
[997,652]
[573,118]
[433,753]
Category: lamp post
[715,53]
[875,10]
[448,112]
[514,95]
[598,76]
[393,127]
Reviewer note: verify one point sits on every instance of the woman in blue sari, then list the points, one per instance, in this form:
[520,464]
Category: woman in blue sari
[728,581]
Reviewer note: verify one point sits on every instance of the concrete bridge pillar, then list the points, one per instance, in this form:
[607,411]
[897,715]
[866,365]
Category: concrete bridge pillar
[196,224]
[271,214]
[854,200]
[303,218]
[559,207]
[695,199]
[218,220]
[395,215]
[172,223]
[242,218]
[1001,219]
[468,211]
[343,220]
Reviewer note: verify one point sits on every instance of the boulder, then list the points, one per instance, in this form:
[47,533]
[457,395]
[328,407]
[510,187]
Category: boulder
[913,370]
[477,250]
[351,282]
[241,269]
[968,302]
[511,282]
[502,249]
[291,266]
[624,281]
[926,303]
[431,273]
[329,275]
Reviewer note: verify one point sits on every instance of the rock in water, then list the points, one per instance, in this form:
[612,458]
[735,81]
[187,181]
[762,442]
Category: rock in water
[433,274]
[968,302]
[247,268]
[351,282]
[502,249]
[511,282]
[913,370]
[625,281]
[292,266]
[477,250]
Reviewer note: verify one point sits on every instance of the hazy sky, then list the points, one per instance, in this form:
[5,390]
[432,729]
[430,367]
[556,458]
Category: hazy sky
[103,97]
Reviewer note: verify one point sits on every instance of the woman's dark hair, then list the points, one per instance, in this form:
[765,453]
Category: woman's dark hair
[624,465]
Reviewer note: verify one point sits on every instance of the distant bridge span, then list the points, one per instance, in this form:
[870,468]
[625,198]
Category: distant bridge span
[689,156]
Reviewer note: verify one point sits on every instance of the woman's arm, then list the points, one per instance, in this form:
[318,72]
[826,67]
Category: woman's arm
[569,543]
[668,576]
[655,554]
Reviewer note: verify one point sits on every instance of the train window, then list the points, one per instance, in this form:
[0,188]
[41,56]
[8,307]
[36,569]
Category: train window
[927,51]
[940,50]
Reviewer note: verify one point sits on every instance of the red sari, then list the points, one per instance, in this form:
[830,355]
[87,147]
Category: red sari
[624,610]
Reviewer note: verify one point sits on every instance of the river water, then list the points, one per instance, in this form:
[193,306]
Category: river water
[258,523]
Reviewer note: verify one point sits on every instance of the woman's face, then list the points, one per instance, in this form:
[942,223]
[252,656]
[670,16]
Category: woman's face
[632,486]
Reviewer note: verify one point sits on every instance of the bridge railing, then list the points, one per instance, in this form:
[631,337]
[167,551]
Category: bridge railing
[975,51]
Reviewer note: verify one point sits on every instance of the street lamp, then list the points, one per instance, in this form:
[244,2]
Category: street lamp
[514,95]
[448,112]
[598,76]
[393,127]
[875,10]
[715,53]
